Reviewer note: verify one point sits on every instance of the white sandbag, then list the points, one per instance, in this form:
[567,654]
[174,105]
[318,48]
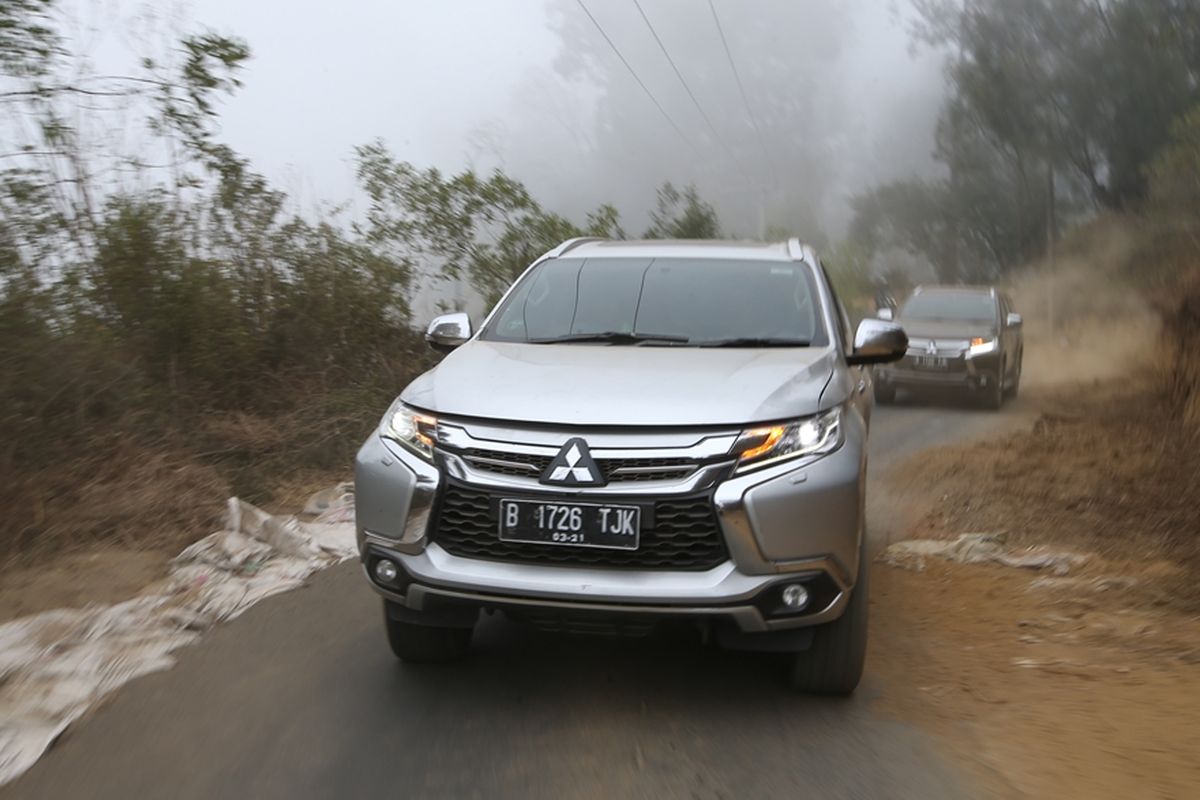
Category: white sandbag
[55,665]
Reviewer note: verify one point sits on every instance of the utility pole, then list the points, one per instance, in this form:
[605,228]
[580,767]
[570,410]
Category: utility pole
[762,215]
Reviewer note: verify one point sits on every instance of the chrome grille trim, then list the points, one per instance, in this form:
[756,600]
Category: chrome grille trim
[703,477]
[636,461]
[603,444]
[484,461]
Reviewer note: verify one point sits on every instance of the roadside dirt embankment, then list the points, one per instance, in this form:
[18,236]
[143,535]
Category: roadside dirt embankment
[1081,679]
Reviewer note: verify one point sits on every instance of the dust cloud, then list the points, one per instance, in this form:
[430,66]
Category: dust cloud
[1083,322]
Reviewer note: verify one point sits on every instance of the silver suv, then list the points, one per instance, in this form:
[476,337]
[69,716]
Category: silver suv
[639,432]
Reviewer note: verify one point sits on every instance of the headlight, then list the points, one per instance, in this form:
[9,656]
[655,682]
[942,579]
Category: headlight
[981,347]
[410,428]
[811,436]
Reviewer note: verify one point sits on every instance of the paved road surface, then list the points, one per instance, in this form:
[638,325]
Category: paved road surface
[301,698]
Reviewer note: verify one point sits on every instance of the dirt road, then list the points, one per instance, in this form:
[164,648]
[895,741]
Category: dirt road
[301,698]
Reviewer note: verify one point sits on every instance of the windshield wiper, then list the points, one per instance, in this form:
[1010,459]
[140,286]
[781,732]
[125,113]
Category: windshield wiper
[613,337]
[760,341]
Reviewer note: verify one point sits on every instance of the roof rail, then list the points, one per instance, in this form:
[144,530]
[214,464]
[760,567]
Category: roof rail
[571,244]
[797,250]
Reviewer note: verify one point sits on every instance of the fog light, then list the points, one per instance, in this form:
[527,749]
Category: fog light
[795,596]
[386,570]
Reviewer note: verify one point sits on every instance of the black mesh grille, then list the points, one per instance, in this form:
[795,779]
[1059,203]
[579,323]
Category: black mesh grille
[684,535]
[519,463]
[671,468]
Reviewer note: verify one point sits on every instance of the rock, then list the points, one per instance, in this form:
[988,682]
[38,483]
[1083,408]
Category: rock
[979,548]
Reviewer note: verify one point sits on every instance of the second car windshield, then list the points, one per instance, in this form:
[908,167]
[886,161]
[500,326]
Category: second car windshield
[676,301]
[951,307]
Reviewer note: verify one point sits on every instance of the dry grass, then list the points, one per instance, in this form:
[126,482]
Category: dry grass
[115,492]
[1178,362]
[155,484]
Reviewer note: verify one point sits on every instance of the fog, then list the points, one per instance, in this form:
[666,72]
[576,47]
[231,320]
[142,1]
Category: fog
[839,98]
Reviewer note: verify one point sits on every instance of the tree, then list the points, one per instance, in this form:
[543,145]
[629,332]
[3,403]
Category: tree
[682,215]
[28,42]
[1088,88]
[1057,107]
[1173,222]
[57,170]
[1175,174]
[486,228]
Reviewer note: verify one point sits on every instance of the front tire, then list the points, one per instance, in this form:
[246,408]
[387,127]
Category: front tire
[992,396]
[833,665]
[414,643]
[1015,389]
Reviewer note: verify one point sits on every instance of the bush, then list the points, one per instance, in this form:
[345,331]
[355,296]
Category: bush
[168,379]
[1172,265]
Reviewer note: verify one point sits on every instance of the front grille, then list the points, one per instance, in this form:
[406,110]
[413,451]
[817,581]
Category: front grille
[947,348]
[683,535]
[616,470]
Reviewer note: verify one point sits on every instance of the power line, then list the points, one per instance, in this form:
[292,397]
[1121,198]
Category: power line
[741,89]
[689,91]
[645,89]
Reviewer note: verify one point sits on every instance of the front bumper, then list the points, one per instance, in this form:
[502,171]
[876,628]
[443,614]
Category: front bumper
[959,372]
[721,595]
[797,522]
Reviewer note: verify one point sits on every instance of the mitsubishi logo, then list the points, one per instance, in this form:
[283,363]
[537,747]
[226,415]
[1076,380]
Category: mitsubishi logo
[573,466]
[931,348]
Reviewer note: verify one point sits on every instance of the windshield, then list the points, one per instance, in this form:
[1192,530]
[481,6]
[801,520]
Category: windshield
[951,307]
[663,301]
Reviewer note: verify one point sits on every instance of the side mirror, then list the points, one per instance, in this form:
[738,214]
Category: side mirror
[878,342]
[1015,320]
[886,314]
[448,331]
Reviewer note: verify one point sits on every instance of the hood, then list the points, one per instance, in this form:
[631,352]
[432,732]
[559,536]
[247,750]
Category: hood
[602,385]
[938,329]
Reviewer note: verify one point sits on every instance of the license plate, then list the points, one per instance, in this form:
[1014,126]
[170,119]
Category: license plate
[931,362]
[570,524]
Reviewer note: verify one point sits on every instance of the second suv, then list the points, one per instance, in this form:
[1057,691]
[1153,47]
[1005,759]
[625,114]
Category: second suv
[639,432]
[961,338]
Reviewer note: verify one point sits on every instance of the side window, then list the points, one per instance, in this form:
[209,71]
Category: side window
[844,323]
[843,319]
